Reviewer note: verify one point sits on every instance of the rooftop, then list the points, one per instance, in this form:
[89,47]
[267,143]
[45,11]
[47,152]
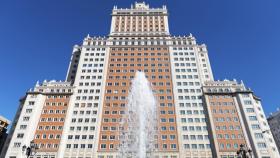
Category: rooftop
[3,119]
[139,6]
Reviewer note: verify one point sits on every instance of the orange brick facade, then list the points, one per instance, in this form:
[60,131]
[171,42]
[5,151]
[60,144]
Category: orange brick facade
[49,130]
[123,63]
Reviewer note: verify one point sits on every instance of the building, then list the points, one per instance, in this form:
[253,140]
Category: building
[4,123]
[40,117]
[274,123]
[236,117]
[98,80]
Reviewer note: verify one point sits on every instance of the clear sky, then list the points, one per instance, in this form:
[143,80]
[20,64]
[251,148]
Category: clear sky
[36,40]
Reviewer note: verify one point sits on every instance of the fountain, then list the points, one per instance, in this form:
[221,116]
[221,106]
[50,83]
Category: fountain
[139,123]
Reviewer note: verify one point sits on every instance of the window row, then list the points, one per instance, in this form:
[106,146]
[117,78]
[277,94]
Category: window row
[228,136]
[182,48]
[224,111]
[226,119]
[94,71]
[93,59]
[184,59]
[90,77]
[41,145]
[88,90]
[107,98]
[86,105]
[50,119]
[58,96]
[185,64]
[183,53]
[194,128]
[131,77]
[219,96]
[85,120]
[191,120]
[82,146]
[50,127]
[222,103]
[140,60]
[56,104]
[62,91]
[84,128]
[48,146]
[135,70]
[197,146]
[95,49]
[190,112]
[89,83]
[229,127]
[216,90]
[47,136]
[125,84]
[93,65]
[87,97]
[189,90]
[229,146]
[140,54]
[123,105]
[190,104]
[189,97]
[88,112]
[80,137]
[50,111]
[138,48]
[162,137]
[140,28]
[146,65]
[164,146]
[195,137]
[185,70]
[187,77]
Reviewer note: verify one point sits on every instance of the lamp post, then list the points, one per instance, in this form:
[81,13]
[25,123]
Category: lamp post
[244,152]
[30,150]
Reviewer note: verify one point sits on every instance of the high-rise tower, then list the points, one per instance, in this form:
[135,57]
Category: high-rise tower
[99,78]
[139,40]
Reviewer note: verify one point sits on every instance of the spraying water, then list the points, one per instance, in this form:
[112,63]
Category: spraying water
[138,126]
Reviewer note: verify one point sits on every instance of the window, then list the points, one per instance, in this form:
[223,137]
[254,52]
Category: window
[103,146]
[164,137]
[194,146]
[173,146]
[31,103]
[247,102]
[20,135]
[187,146]
[222,146]
[228,146]
[17,144]
[261,145]
[252,118]
[258,135]
[23,126]
[25,118]
[68,146]
[250,110]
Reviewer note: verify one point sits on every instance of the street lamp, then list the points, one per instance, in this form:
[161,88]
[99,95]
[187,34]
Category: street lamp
[30,150]
[244,152]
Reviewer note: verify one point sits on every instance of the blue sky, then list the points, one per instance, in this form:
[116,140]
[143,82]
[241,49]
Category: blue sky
[36,40]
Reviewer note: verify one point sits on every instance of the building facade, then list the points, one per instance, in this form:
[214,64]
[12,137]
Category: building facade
[274,123]
[98,79]
[235,116]
[40,117]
